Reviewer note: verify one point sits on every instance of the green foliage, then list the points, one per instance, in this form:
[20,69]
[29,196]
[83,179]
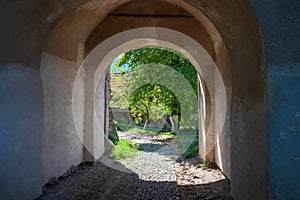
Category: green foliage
[113,140]
[167,134]
[118,126]
[159,55]
[204,165]
[174,161]
[124,149]
[151,101]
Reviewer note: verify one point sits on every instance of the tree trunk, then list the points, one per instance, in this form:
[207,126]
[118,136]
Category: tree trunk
[112,130]
[146,123]
[175,123]
[110,127]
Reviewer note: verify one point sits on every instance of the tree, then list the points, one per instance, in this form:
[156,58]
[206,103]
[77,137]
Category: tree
[150,100]
[158,55]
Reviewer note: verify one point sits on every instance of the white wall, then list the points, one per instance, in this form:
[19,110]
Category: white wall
[61,142]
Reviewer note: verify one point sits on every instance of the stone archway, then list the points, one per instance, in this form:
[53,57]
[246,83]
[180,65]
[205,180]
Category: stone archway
[237,52]
[98,60]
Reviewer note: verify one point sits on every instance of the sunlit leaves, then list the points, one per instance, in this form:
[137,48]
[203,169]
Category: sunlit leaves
[150,101]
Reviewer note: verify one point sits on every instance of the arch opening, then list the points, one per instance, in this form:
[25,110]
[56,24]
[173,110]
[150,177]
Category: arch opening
[155,86]
[208,68]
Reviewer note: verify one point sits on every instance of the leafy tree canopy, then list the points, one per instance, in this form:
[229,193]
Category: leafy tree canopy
[158,55]
[149,101]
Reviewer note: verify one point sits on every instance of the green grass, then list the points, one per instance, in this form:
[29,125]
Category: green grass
[166,134]
[191,138]
[133,128]
[124,149]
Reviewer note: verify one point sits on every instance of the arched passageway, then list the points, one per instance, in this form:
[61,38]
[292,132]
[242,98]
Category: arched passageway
[86,40]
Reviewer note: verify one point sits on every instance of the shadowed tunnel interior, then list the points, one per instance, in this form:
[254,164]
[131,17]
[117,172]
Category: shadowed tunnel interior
[54,53]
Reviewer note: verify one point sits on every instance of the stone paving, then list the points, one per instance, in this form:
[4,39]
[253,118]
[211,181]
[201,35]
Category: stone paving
[151,174]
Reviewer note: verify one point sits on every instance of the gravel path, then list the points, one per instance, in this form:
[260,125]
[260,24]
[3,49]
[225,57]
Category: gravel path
[151,174]
[153,164]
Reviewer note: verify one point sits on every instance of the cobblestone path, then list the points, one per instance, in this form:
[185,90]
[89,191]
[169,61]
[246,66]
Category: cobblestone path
[151,174]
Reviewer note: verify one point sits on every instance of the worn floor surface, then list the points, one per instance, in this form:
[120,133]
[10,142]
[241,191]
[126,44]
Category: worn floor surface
[152,174]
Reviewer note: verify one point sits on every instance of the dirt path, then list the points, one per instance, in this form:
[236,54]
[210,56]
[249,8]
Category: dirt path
[152,174]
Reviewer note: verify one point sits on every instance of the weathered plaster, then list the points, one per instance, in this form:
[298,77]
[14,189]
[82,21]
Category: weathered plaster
[284,112]
[61,143]
[280,26]
[21,105]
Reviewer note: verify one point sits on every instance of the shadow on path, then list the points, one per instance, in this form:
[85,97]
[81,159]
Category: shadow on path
[150,147]
[97,181]
[152,174]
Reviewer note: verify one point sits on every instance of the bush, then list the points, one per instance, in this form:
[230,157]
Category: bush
[124,149]
[113,140]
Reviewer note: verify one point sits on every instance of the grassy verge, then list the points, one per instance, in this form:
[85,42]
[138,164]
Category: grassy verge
[190,139]
[153,131]
[133,128]
[124,149]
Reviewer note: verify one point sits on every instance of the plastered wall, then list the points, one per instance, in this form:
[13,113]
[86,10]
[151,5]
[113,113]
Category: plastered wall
[263,132]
